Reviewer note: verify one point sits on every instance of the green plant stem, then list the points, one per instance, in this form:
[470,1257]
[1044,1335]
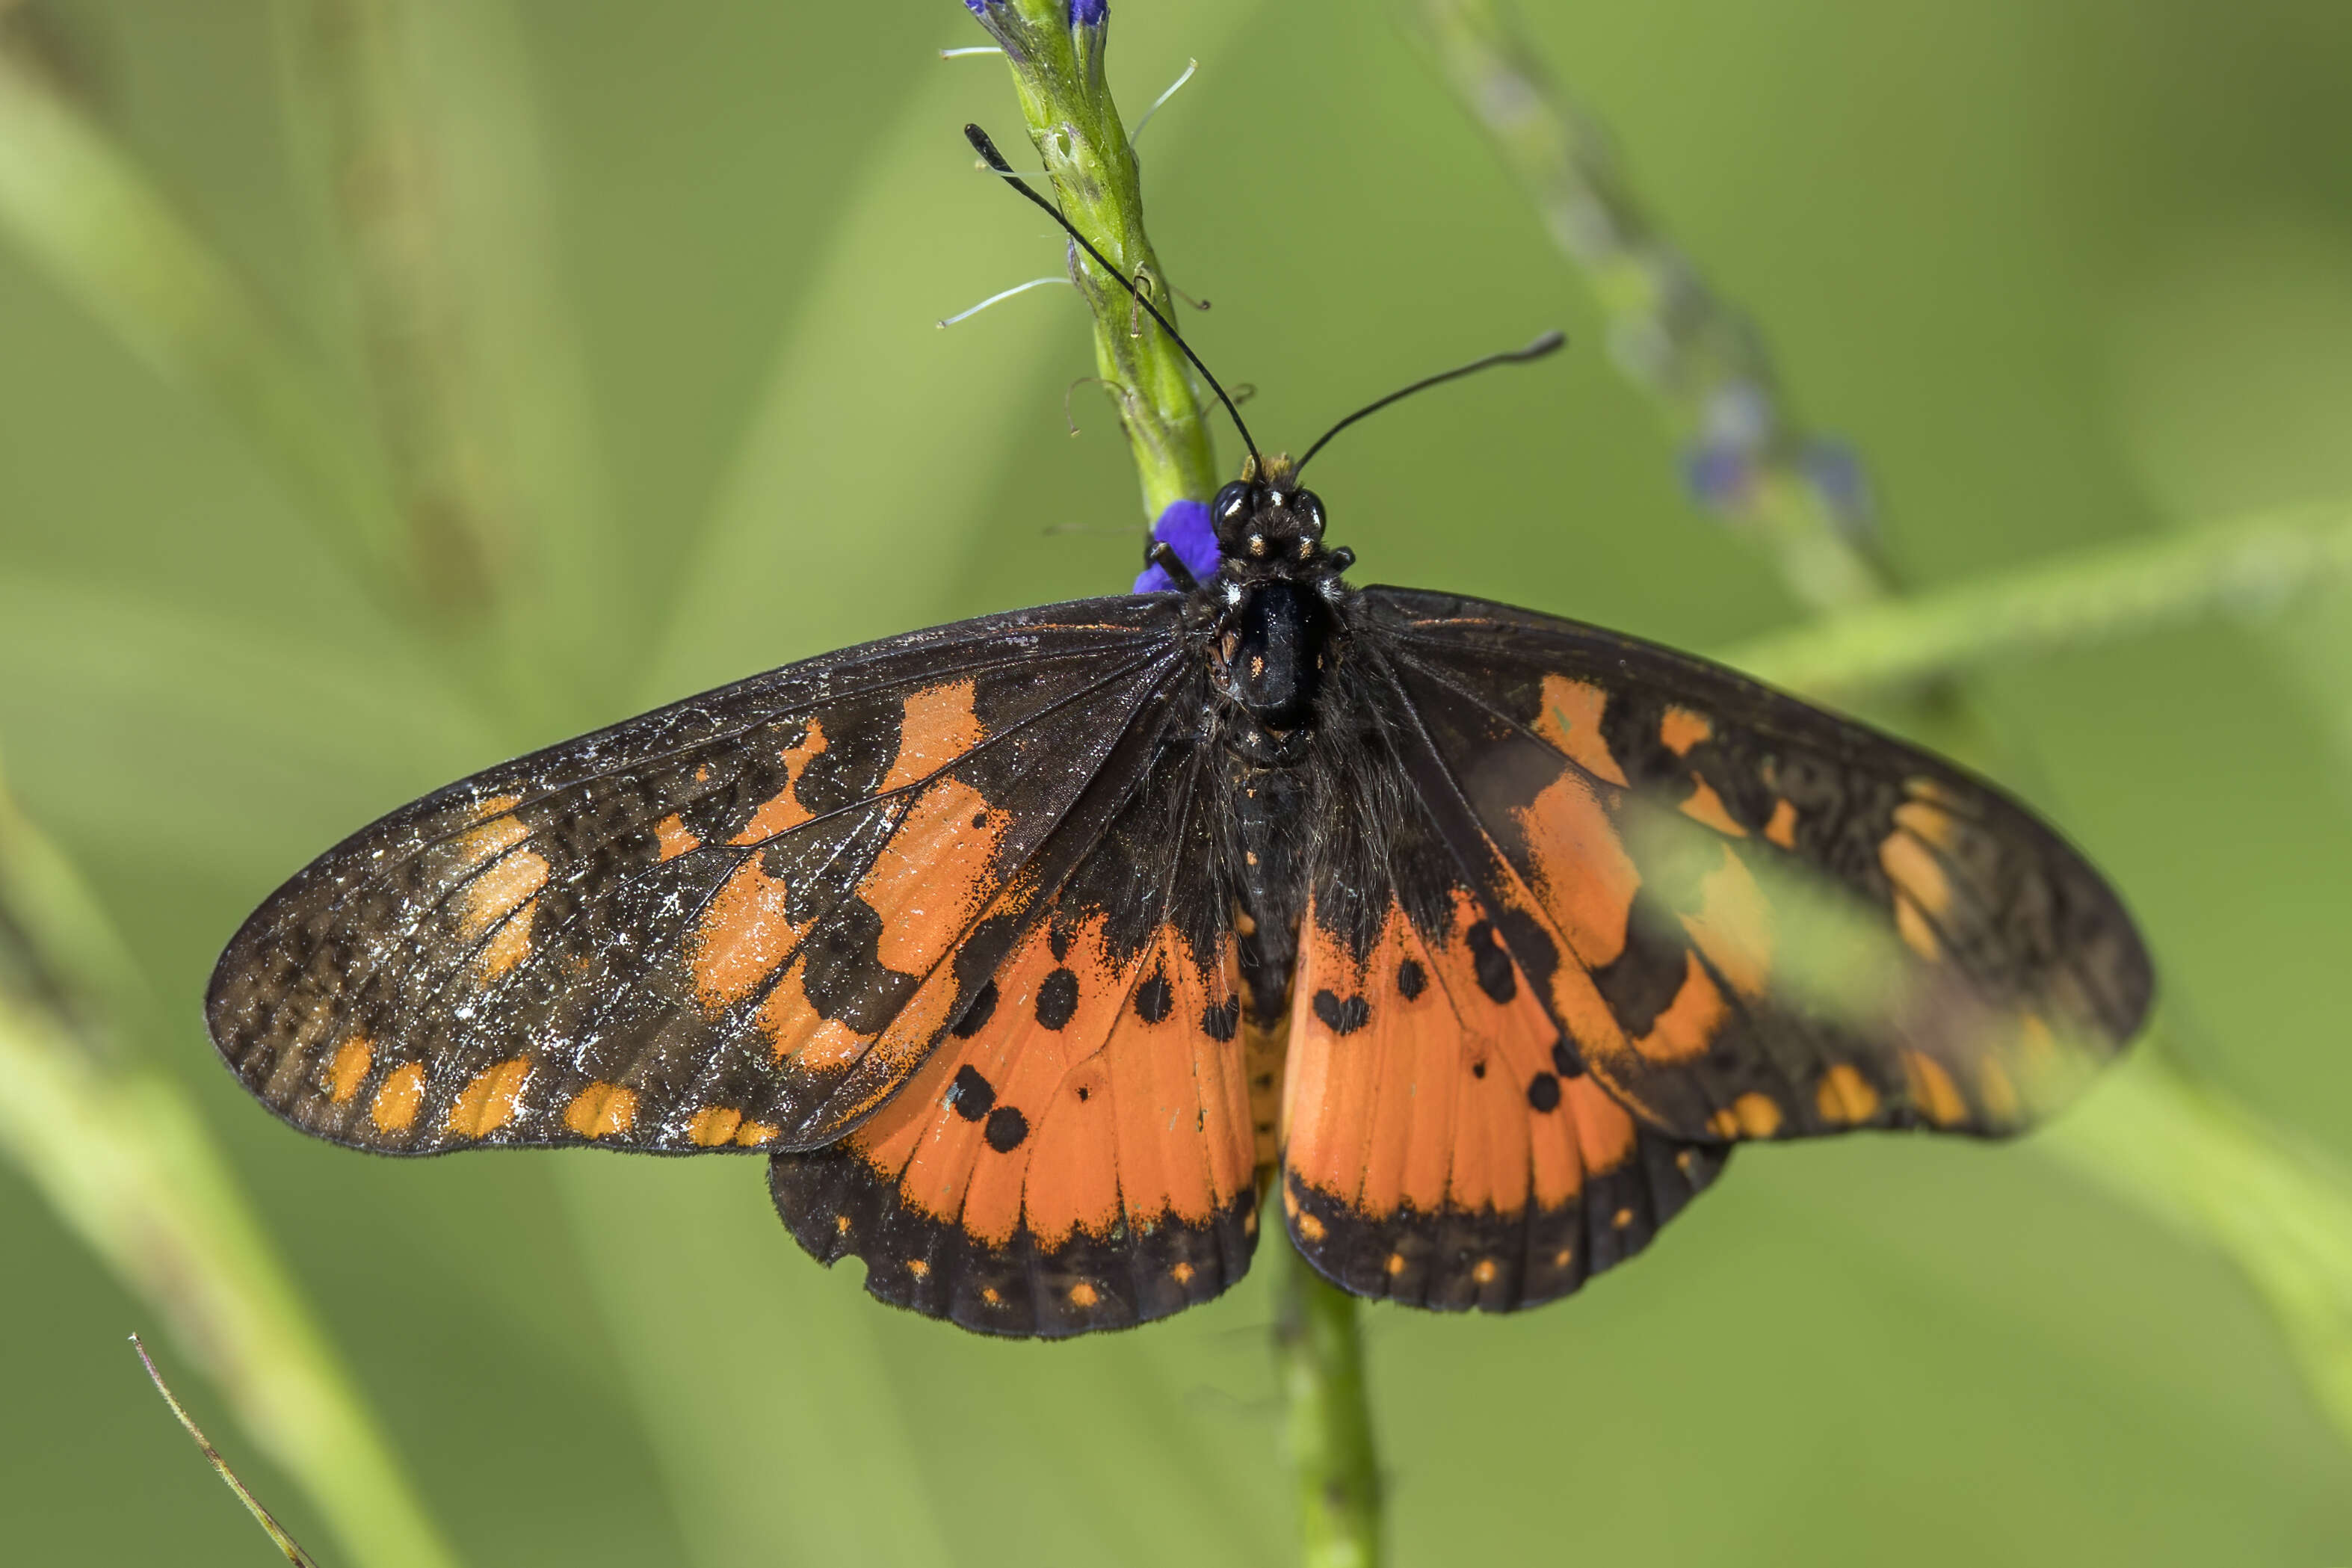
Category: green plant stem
[126,1165]
[1058,71]
[284,1543]
[83,210]
[2253,566]
[2148,1126]
[1321,1351]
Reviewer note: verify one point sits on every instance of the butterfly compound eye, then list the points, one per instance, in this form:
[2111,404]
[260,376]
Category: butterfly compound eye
[1307,508]
[1232,503]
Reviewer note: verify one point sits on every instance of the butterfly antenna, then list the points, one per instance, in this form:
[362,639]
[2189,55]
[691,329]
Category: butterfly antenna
[987,150]
[1550,343]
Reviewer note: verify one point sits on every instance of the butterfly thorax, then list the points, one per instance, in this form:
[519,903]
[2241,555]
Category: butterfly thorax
[1276,602]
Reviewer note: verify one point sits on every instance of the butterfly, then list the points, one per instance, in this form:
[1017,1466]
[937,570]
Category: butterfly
[1033,951]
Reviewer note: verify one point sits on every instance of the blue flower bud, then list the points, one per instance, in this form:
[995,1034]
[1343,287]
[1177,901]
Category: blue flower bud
[1720,476]
[1084,12]
[1185,525]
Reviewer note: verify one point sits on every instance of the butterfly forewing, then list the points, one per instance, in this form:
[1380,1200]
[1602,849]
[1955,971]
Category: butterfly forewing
[1753,919]
[737,922]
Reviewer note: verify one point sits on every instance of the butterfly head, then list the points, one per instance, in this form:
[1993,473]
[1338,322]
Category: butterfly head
[1268,525]
[1275,592]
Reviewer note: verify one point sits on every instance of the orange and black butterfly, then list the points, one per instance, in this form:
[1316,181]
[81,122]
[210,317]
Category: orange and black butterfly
[1030,951]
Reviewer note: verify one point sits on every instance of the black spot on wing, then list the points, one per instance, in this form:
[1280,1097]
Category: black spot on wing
[1410,979]
[975,1016]
[1057,999]
[847,772]
[1490,963]
[1005,1130]
[1341,1016]
[1221,1020]
[843,974]
[971,1094]
[1641,981]
[1154,999]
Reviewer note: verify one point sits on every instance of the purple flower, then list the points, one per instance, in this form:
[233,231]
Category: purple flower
[1084,12]
[1720,476]
[1185,525]
[977,7]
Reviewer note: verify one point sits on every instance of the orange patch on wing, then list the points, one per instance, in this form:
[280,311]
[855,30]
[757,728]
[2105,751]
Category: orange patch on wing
[1932,1092]
[396,1100]
[349,1068]
[1583,876]
[1782,828]
[932,878]
[509,946]
[1913,927]
[1911,867]
[1682,729]
[488,1101]
[1706,806]
[1570,721]
[743,934]
[1845,1096]
[751,1134]
[1929,789]
[1734,926]
[1083,1295]
[1933,824]
[1429,1099]
[1105,1102]
[1995,1089]
[937,727]
[1603,1126]
[601,1110]
[479,846]
[1690,1021]
[498,891]
[782,810]
[674,838]
[1751,1115]
[713,1125]
[795,1028]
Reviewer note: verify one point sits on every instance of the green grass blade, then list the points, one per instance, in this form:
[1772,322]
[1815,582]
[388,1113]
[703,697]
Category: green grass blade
[2253,567]
[77,204]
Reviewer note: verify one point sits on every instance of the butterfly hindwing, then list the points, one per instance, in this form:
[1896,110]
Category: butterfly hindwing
[1441,1147]
[1078,1154]
[738,923]
[1754,919]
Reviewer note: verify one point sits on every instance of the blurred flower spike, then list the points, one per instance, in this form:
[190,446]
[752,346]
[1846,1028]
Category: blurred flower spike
[1185,526]
[1744,447]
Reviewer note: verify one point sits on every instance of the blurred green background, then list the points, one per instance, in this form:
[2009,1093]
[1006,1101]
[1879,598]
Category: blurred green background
[2063,273]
